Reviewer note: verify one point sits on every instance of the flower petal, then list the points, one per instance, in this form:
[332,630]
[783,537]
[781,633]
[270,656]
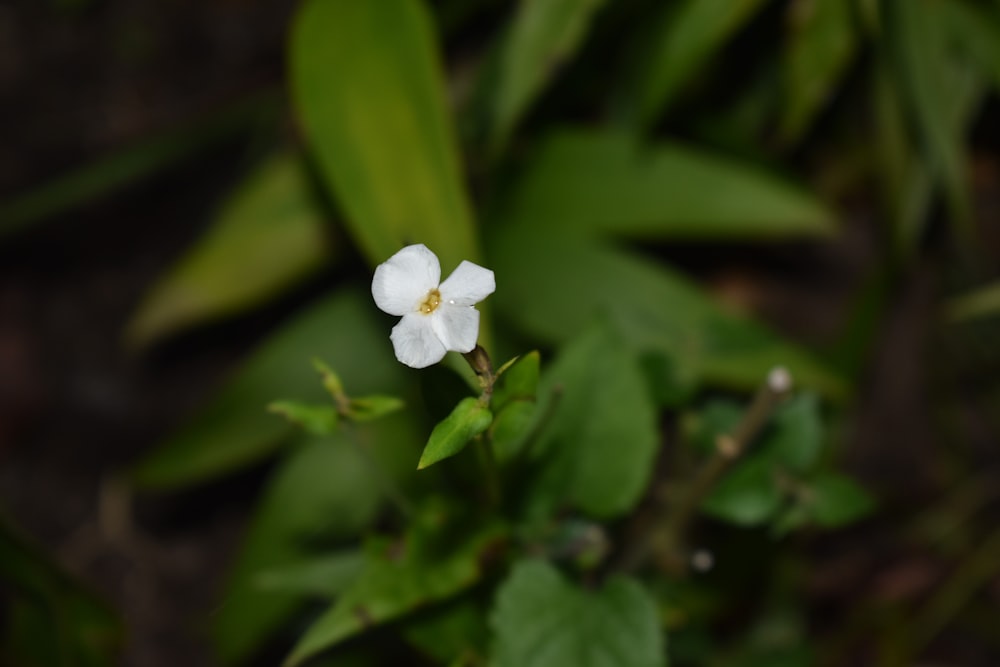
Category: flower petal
[457,327]
[402,281]
[467,285]
[415,342]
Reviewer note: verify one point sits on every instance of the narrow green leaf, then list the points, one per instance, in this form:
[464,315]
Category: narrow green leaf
[320,576]
[685,38]
[235,430]
[979,303]
[454,432]
[326,490]
[315,419]
[368,408]
[599,398]
[432,563]
[822,41]
[369,91]
[604,183]
[135,162]
[554,286]
[50,619]
[543,36]
[929,74]
[542,620]
[268,237]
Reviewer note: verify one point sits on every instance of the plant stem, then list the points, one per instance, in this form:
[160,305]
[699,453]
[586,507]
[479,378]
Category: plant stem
[666,537]
[480,362]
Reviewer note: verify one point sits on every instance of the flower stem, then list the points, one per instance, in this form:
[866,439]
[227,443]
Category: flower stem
[666,538]
[480,362]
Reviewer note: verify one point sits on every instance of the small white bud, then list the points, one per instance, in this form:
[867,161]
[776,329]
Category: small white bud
[779,380]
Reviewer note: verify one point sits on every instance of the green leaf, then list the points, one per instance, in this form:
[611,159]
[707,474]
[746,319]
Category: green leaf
[268,237]
[975,30]
[794,438]
[454,432]
[543,36]
[835,500]
[234,429]
[143,159]
[685,38]
[597,445]
[436,560]
[717,417]
[368,408]
[930,81]
[604,183]
[517,382]
[982,302]
[451,634]
[511,428]
[326,490]
[554,286]
[320,576]
[822,41]
[542,620]
[748,495]
[48,618]
[369,92]
[315,419]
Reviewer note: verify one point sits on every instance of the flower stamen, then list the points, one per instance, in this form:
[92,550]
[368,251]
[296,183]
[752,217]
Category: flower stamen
[430,302]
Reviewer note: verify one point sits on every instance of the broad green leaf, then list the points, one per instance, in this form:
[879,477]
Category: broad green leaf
[267,237]
[554,286]
[597,445]
[930,79]
[326,490]
[979,303]
[542,620]
[135,162]
[436,560]
[748,495]
[316,419]
[822,41]
[685,38]
[511,428]
[369,92]
[835,500]
[49,619]
[605,183]
[517,382]
[469,418]
[234,429]
[544,35]
[794,437]
[320,576]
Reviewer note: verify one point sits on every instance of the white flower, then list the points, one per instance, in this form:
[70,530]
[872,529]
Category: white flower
[436,317]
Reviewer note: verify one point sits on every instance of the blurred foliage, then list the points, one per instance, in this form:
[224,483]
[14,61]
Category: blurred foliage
[571,149]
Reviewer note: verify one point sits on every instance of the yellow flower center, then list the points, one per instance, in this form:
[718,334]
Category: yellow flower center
[430,302]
